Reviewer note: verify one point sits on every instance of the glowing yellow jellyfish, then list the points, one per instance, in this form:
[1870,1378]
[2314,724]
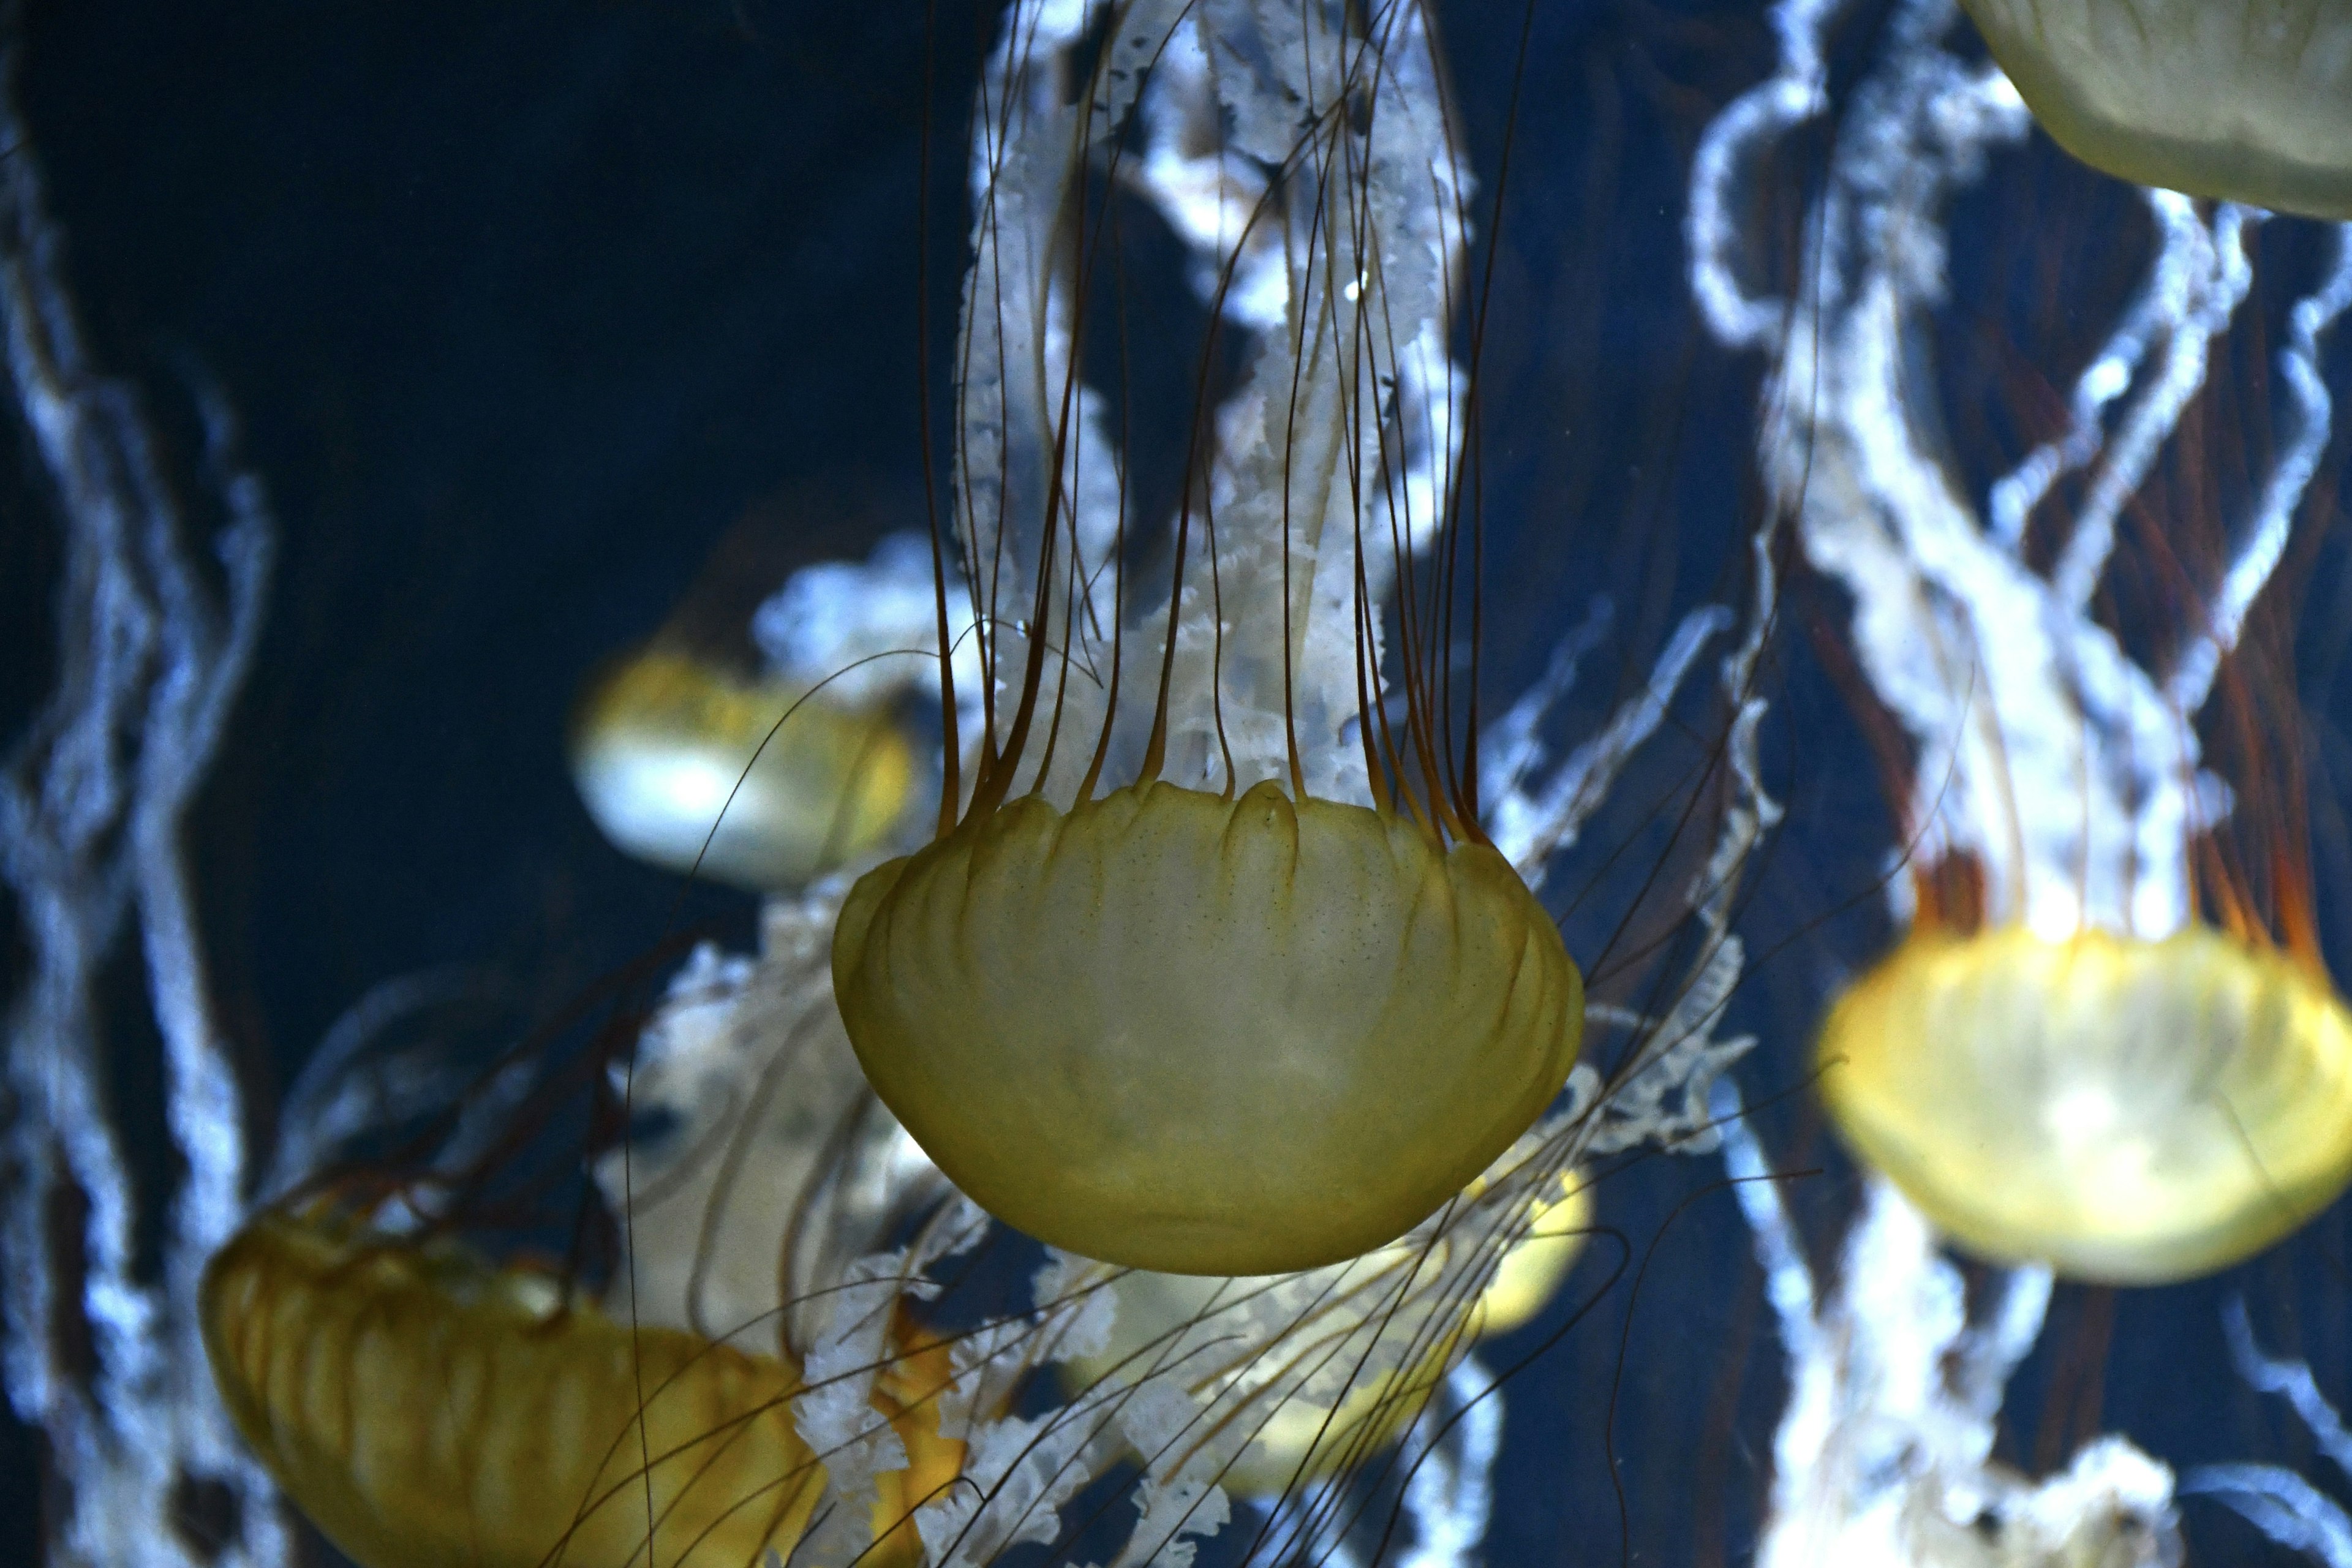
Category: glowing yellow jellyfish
[425,1409]
[673,752]
[2127,1112]
[1267,996]
[2248,100]
[1206,1035]
[1201,1331]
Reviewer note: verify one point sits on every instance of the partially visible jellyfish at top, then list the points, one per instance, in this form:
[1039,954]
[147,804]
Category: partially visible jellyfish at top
[2248,100]
[2108,1047]
[1224,956]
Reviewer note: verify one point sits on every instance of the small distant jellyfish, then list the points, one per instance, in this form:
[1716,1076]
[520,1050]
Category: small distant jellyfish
[2250,100]
[757,783]
[696,754]
[2125,1111]
[1225,978]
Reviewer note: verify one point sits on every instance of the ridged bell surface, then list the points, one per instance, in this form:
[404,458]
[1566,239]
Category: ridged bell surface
[1207,1036]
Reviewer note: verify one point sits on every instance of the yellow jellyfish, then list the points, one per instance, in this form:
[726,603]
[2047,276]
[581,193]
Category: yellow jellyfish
[2125,1111]
[1202,1035]
[1296,1379]
[1229,981]
[422,1408]
[425,1409]
[2247,99]
[709,749]
[425,1406]
[754,782]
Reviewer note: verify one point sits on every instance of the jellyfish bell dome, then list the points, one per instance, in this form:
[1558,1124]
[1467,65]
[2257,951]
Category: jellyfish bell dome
[422,1407]
[1204,1035]
[673,753]
[2246,100]
[2127,1111]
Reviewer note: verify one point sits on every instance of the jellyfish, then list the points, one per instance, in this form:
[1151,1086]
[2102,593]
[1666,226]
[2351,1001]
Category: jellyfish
[2091,1051]
[421,1406]
[2249,101]
[2124,1109]
[665,745]
[2096,1049]
[1230,981]
[694,753]
[423,1403]
[547,1431]
[2067,1061]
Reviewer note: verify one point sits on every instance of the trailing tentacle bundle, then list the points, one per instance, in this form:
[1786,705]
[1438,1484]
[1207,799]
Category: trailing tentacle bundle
[1270,997]
[1317,1372]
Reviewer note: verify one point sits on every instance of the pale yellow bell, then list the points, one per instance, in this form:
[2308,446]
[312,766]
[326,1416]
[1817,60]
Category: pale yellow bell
[1202,1331]
[2127,1112]
[424,1409]
[2246,100]
[663,748]
[1206,1035]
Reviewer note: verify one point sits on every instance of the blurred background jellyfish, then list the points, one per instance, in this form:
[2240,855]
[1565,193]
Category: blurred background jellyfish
[428,1379]
[2109,1046]
[688,766]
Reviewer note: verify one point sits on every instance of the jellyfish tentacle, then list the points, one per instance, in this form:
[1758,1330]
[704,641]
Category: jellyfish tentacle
[2249,571]
[1094,1012]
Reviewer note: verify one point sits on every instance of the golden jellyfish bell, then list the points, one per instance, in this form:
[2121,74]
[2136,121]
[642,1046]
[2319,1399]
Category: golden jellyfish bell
[672,753]
[1207,1036]
[423,1408]
[2127,1112]
[2246,100]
